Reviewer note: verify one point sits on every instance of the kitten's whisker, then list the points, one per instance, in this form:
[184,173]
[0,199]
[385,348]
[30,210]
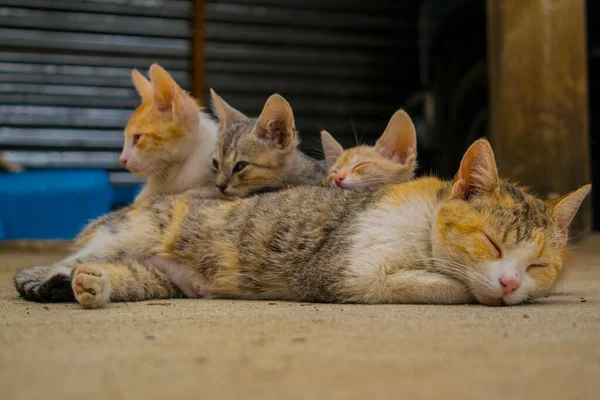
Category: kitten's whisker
[362,134]
[354,130]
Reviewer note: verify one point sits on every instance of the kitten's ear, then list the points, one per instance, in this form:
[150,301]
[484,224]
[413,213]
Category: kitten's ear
[331,148]
[276,123]
[169,98]
[226,114]
[477,173]
[142,85]
[566,207]
[165,89]
[399,140]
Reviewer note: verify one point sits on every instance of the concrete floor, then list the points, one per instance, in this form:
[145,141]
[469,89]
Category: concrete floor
[241,349]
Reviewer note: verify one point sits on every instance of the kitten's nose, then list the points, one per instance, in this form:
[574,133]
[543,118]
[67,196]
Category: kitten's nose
[222,188]
[509,283]
[339,179]
[123,160]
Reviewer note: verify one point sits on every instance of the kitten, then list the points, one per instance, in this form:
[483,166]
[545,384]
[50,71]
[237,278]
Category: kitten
[391,160]
[169,140]
[260,154]
[476,238]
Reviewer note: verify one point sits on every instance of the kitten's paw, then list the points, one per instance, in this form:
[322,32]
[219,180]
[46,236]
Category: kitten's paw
[91,286]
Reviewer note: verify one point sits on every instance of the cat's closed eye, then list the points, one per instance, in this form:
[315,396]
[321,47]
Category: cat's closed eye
[361,165]
[215,163]
[536,268]
[240,166]
[136,138]
[496,252]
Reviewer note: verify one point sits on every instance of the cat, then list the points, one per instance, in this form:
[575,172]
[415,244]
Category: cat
[391,160]
[476,238]
[169,140]
[8,166]
[260,154]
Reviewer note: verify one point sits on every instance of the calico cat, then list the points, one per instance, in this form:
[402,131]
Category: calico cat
[169,140]
[391,160]
[260,154]
[476,238]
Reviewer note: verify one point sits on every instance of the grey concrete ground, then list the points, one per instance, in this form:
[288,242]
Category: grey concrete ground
[183,349]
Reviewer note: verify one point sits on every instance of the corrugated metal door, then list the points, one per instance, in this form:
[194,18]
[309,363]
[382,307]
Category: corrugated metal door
[65,74]
[339,63]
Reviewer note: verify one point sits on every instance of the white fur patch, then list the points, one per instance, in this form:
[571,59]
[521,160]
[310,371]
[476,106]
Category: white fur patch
[388,253]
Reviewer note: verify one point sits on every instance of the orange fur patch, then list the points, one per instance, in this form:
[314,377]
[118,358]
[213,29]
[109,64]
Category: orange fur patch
[180,210]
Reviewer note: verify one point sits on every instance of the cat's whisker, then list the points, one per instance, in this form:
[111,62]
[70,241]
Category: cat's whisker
[354,130]
[586,231]
[461,270]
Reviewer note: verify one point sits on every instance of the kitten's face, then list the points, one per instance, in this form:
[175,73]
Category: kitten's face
[161,131]
[502,242]
[364,166]
[391,160]
[252,152]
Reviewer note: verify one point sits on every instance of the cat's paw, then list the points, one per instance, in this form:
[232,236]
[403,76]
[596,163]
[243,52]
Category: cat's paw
[91,286]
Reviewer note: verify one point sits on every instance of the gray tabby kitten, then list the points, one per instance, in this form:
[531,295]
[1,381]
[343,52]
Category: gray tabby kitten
[260,154]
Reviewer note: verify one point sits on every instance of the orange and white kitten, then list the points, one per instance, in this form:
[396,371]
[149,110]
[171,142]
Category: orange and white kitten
[391,160]
[169,139]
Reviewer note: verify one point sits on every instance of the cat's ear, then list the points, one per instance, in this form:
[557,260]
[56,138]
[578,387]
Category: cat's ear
[276,123]
[399,140]
[169,98]
[567,206]
[226,114]
[142,85]
[165,89]
[477,173]
[331,148]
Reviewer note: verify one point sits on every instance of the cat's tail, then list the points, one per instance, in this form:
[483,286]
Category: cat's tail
[44,284]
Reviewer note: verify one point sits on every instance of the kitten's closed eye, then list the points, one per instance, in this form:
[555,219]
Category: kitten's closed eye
[358,167]
[215,163]
[240,166]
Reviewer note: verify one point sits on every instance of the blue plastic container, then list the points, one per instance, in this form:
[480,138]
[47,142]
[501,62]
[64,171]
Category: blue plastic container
[52,203]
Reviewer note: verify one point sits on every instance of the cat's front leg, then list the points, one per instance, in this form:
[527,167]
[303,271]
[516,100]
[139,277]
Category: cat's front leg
[389,284]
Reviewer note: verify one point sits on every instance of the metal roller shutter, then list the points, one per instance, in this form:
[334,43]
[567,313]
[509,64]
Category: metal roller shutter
[339,63]
[65,75]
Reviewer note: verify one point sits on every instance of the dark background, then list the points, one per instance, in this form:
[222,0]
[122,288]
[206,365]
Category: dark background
[66,92]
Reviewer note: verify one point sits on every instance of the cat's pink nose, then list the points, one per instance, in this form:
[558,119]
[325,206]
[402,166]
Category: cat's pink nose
[123,160]
[339,179]
[509,283]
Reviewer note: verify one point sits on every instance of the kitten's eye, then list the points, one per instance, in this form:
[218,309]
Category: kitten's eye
[536,268]
[495,249]
[215,163]
[362,164]
[136,138]
[240,166]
